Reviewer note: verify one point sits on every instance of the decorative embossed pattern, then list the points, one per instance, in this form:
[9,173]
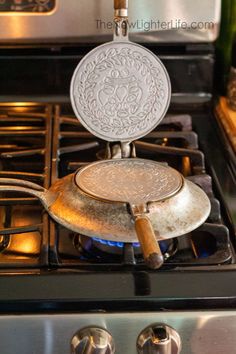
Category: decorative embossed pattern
[120,91]
[135,181]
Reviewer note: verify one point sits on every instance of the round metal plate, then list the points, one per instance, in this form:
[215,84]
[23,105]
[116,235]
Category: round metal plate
[120,91]
[133,181]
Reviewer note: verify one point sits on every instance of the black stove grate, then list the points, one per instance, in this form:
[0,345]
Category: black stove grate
[175,144]
[25,153]
[41,143]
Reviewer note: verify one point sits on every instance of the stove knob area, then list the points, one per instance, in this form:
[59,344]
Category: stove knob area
[160,339]
[92,340]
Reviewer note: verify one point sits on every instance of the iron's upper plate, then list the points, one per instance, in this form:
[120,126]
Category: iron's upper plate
[134,181]
[120,91]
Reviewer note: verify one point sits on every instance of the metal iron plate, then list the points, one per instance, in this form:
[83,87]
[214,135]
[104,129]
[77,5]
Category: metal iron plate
[133,181]
[81,213]
[120,91]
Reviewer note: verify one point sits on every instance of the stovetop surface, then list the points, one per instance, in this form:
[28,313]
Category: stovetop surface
[44,266]
[41,143]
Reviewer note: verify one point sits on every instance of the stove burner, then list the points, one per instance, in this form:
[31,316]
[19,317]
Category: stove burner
[99,247]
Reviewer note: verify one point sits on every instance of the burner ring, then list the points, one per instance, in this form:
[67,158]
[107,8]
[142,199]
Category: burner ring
[99,247]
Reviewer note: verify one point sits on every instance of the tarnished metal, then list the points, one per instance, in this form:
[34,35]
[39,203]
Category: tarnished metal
[119,150]
[70,207]
[120,91]
[133,181]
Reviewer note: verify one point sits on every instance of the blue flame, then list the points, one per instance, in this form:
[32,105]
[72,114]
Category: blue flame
[113,243]
[163,244]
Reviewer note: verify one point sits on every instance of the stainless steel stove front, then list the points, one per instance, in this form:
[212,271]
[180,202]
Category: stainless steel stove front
[201,332]
[89,21]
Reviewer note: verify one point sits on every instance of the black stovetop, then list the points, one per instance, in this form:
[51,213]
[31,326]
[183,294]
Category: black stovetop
[45,267]
[41,143]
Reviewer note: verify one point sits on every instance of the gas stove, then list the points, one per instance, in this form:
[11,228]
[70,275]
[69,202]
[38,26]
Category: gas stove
[47,270]
[62,292]
[41,143]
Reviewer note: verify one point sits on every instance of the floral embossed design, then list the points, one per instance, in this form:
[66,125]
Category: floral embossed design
[134,180]
[120,91]
[120,94]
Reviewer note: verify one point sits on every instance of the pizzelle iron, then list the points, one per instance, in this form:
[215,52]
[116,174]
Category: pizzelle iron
[135,182]
[179,209]
[120,91]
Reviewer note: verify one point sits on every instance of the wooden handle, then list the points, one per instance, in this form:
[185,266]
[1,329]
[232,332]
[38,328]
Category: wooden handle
[120,4]
[148,242]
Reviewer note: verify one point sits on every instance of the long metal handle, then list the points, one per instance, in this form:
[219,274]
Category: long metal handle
[121,20]
[148,242]
[18,185]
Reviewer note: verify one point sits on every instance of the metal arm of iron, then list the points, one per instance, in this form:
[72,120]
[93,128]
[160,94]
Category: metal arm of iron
[18,185]
[22,186]
[121,20]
